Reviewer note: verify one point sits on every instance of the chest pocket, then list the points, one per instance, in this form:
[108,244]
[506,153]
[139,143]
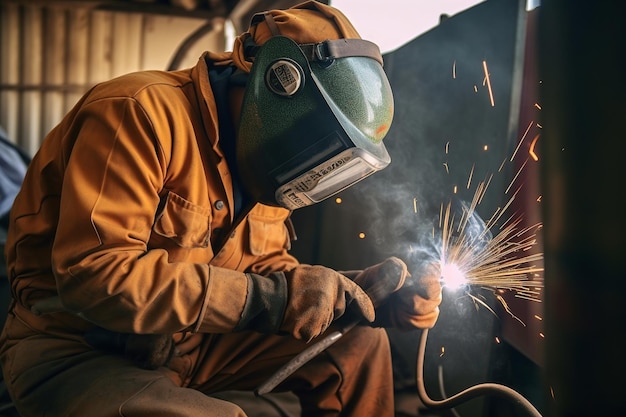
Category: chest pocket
[186,224]
[268,234]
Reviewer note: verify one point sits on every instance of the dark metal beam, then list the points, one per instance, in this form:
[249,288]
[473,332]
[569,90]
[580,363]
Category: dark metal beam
[584,144]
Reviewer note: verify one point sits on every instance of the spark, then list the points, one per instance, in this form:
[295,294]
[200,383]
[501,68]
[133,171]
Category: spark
[477,301]
[454,69]
[488,81]
[531,151]
[414,205]
[508,309]
[483,188]
[471,255]
[502,165]
[522,139]
[498,255]
[519,171]
[469,180]
[338,200]
[361,235]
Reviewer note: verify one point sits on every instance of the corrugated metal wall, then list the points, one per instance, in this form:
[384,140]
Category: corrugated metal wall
[50,55]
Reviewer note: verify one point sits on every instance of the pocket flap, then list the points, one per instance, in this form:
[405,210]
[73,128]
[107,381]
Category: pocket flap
[187,224]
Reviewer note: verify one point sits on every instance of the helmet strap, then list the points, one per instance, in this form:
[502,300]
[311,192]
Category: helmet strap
[341,48]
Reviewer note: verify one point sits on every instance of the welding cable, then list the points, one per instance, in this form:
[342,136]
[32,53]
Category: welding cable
[442,389]
[468,393]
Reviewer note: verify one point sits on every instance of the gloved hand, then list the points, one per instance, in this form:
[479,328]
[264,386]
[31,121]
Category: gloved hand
[381,280]
[414,301]
[302,302]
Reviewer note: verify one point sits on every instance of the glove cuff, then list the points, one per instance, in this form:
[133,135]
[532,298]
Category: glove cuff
[265,305]
[225,300]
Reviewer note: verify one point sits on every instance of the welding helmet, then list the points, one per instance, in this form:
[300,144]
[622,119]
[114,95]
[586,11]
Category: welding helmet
[313,120]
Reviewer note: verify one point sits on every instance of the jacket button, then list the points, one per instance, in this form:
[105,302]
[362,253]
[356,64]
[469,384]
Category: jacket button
[219,204]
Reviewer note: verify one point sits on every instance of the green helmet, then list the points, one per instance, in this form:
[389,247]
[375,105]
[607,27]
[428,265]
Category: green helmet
[313,120]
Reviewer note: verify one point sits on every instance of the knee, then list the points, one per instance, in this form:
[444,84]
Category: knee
[367,342]
[364,358]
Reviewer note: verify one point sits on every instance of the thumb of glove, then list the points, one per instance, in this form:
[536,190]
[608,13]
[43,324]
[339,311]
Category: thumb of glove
[381,280]
[428,285]
[415,305]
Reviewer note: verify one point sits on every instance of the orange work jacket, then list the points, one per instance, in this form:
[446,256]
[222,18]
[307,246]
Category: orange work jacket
[126,213]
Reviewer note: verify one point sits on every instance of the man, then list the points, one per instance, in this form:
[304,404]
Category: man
[148,247]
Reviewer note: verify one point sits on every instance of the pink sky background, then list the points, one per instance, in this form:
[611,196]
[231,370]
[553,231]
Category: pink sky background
[398,21]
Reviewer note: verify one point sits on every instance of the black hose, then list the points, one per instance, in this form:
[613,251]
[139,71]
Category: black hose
[468,393]
[180,52]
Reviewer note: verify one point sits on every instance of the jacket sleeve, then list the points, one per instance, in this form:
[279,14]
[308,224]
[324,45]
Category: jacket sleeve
[104,269]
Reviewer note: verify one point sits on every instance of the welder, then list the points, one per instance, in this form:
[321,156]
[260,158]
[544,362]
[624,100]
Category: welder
[148,250]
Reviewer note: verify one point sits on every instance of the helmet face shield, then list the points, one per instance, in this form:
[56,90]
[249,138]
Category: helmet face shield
[357,90]
[309,130]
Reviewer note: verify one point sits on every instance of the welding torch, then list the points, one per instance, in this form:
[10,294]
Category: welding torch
[379,282]
[302,358]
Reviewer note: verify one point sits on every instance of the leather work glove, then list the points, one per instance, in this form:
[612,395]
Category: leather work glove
[381,280]
[302,302]
[414,301]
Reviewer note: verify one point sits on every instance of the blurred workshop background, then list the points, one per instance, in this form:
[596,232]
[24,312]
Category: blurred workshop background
[522,97]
